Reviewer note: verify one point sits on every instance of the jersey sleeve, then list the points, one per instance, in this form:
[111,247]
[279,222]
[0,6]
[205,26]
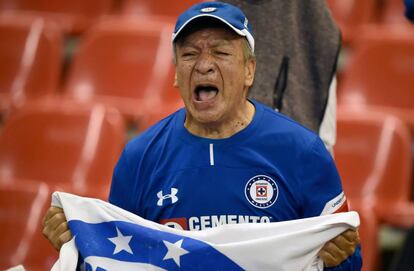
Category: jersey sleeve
[122,181]
[323,194]
[320,183]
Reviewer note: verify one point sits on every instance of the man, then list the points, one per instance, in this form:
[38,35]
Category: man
[224,158]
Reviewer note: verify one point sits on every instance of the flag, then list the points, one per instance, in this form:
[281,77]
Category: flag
[107,237]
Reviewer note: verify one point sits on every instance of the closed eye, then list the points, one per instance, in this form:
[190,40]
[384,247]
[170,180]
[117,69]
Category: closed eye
[222,53]
[188,54]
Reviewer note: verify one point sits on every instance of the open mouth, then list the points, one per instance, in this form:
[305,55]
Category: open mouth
[205,93]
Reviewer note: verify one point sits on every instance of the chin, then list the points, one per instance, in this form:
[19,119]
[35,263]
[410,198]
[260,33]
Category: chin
[207,117]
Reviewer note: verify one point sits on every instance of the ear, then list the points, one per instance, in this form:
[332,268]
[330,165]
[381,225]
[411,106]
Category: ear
[250,69]
[175,80]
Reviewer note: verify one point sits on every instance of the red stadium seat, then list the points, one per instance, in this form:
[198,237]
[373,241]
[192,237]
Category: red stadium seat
[352,14]
[30,59]
[374,160]
[381,72]
[126,63]
[73,16]
[22,208]
[62,144]
[159,7]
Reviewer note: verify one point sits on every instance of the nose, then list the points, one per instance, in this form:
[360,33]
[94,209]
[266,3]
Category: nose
[205,63]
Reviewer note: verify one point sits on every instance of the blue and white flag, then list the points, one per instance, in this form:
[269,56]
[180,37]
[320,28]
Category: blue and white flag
[110,238]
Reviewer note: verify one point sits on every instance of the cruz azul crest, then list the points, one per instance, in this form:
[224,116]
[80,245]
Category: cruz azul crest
[261,191]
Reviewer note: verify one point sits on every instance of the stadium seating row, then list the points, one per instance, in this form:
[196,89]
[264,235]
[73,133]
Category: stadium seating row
[379,78]
[121,62]
[49,145]
[127,63]
[63,144]
[374,160]
[22,207]
[354,15]
[76,16]
[30,59]
[375,116]
[380,72]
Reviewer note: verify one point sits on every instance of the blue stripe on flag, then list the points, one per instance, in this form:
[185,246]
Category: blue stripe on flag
[128,242]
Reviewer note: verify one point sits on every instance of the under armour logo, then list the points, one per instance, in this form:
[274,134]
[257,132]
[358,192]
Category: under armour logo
[172,196]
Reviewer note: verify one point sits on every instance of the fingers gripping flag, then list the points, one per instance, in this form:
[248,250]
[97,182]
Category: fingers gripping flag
[109,238]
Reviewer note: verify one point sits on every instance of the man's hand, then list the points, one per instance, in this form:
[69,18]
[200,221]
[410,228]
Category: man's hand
[340,248]
[55,227]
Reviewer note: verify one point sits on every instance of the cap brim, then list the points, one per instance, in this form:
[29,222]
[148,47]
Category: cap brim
[242,32]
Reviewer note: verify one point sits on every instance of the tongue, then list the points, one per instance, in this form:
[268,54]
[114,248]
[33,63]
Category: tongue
[206,95]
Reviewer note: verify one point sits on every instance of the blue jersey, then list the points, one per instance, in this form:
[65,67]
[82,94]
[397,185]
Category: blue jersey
[273,170]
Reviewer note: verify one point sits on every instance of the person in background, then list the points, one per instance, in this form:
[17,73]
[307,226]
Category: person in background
[297,49]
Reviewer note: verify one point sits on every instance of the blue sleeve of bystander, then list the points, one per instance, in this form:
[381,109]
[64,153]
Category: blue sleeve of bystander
[409,9]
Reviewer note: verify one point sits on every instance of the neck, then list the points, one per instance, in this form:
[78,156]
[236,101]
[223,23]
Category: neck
[223,128]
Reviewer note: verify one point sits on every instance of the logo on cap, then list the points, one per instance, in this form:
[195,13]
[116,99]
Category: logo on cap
[246,22]
[209,9]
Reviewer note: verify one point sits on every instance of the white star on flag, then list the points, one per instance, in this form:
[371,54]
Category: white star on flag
[174,251]
[121,242]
